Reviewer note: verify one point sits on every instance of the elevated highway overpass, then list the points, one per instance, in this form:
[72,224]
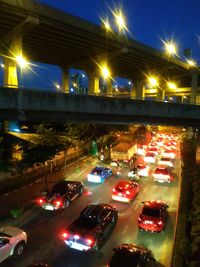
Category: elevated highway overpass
[35,106]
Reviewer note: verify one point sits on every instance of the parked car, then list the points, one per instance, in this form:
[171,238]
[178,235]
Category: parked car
[131,255]
[12,242]
[153,216]
[61,195]
[92,227]
[99,174]
[125,191]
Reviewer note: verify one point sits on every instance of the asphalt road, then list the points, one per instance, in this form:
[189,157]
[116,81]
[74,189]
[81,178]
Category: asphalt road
[44,228]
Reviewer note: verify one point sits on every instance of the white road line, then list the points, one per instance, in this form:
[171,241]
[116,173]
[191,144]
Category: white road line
[15,190]
[145,189]
[37,181]
[136,206]
[6,194]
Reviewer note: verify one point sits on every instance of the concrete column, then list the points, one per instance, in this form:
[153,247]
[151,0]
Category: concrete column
[65,80]
[10,78]
[93,84]
[109,87]
[160,94]
[194,87]
[140,90]
[13,41]
[133,91]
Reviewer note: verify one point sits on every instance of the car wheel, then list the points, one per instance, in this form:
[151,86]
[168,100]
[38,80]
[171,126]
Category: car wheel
[66,203]
[19,249]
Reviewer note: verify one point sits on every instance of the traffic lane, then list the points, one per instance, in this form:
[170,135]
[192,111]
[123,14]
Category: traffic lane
[52,248]
[27,194]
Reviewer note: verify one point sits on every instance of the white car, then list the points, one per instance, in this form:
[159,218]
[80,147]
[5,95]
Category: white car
[12,242]
[150,158]
[143,170]
[165,161]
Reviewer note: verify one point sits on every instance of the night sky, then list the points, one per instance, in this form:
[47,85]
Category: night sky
[148,21]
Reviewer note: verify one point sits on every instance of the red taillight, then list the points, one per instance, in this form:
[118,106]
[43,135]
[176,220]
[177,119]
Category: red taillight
[139,219]
[40,201]
[89,241]
[160,223]
[128,192]
[65,234]
[58,203]
[114,190]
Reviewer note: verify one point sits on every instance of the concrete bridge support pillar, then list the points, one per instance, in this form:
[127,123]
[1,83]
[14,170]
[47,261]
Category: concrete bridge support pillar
[109,87]
[140,90]
[93,84]
[13,41]
[133,91]
[194,87]
[65,80]
[160,94]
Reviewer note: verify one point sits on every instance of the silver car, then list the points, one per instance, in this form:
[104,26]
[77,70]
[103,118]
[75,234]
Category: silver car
[12,242]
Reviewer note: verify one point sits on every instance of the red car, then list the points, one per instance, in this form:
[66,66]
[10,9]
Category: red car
[153,216]
[125,191]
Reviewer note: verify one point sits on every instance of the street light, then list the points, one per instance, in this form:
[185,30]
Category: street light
[2,65]
[152,81]
[120,20]
[192,63]
[171,85]
[105,71]
[170,48]
[22,62]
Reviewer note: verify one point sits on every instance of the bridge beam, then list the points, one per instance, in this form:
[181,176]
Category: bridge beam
[65,80]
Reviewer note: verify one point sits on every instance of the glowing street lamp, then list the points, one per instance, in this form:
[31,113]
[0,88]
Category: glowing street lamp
[192,63]
[170,48]
[106,25]
[172,85]
[105,72]
[2,65]
[57,86]
[152,81]
[21,61]
[120,21]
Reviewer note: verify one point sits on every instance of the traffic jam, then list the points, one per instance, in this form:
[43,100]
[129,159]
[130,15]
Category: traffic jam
[130,166]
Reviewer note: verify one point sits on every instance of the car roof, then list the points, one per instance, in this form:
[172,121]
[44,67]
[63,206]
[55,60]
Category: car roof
[133,247]
[123,184]
[10,231]
[154,204]
[94,210]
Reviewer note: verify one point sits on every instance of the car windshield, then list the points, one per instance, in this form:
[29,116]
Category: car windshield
[151,212]
[161,171]
[125,258]
[165,159]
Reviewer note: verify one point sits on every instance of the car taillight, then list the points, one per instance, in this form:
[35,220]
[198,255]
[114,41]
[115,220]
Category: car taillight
[128,192]
[114,190]
[160,223]
[65,234]
[139,219]
[89,241]
[58,203]
[40,200]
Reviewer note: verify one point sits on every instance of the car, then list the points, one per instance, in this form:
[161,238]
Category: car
[165,161]
[150,158]
[153,216]
[131,255]
[91,229]
[163,174]
[154,150]
[115,163]
[61,195]
[143,169]
[12,242]
[125,191]
[169,153]
[99,174]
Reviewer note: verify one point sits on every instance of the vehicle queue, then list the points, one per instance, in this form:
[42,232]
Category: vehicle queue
[156,161]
